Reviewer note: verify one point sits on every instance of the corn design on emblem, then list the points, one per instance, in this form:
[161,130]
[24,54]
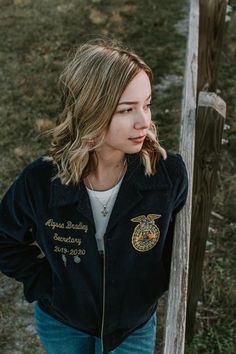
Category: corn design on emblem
[146,234]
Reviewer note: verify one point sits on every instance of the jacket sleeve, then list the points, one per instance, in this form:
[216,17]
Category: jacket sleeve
[19,257]
[181,192]
[181,187]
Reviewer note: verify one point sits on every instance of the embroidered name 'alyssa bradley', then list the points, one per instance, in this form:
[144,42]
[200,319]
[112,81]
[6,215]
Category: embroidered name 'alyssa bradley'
[67,225]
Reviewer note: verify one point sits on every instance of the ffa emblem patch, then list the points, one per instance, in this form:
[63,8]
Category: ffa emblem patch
[146,234]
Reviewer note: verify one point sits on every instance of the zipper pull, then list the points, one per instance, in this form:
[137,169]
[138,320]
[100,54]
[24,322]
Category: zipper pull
[64,259]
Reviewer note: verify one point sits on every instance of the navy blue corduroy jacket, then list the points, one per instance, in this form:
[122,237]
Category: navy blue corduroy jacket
[47,241]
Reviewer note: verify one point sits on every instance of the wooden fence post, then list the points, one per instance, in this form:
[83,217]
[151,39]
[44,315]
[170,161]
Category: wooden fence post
[210,124]
[174,337]
[209,129]
[211,30]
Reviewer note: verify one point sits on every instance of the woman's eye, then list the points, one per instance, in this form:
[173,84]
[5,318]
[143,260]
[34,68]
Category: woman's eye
[125,110]
[148,106]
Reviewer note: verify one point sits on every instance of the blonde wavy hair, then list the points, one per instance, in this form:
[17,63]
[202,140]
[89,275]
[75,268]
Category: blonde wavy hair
[92,84]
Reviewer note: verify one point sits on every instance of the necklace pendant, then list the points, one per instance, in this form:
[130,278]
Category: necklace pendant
[104,211]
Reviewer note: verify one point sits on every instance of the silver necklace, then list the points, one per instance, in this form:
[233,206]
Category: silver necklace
[105,210]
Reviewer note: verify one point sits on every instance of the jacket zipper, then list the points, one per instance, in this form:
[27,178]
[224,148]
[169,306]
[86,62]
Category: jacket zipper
[103,299]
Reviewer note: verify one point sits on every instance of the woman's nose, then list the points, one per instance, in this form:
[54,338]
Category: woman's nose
[143,120]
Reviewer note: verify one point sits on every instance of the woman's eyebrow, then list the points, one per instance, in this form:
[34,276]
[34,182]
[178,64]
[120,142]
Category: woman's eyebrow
[133,102]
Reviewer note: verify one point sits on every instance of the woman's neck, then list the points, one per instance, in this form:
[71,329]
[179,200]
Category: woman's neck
[108,172]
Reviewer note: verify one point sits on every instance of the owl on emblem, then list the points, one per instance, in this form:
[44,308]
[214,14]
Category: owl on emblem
[146,234]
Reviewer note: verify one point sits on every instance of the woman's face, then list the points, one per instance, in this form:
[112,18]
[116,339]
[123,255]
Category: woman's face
[132,118]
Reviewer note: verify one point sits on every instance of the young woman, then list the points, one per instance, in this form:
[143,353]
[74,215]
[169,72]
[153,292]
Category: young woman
[88,228]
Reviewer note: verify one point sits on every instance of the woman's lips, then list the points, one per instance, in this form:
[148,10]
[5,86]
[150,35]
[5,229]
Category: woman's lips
[138,140]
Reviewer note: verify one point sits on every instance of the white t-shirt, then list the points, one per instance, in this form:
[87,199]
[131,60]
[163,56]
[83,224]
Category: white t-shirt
[100,220]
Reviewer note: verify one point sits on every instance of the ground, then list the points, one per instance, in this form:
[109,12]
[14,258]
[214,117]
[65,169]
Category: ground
[36,37]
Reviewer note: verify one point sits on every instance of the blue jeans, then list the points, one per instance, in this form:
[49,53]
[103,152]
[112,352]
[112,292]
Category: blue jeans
[57,338]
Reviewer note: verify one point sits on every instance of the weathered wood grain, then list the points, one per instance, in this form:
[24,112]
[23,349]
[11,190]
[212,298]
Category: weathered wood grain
[209,128]
[211,31]
[177,296]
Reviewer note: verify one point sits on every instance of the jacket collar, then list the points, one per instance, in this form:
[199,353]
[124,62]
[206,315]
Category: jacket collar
[61,195]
